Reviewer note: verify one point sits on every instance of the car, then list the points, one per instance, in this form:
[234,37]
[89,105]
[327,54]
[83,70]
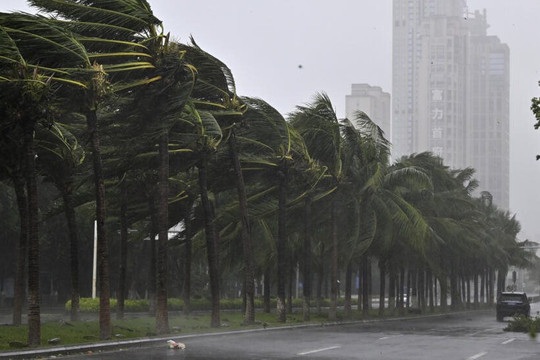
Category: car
[511,304]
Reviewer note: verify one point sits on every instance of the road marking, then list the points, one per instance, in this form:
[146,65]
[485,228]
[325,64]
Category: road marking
[389,337]
[477,356]
[508,341]
[318,350]
[482,331]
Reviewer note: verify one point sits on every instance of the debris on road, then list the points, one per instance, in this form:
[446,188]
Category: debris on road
[174,345]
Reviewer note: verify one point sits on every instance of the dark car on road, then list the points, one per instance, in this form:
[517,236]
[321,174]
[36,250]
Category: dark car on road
[511,304]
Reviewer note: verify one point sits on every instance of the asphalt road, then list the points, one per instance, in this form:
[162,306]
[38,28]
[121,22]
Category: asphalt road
[469,336]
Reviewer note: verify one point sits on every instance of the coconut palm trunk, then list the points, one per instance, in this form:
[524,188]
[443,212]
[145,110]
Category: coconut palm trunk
[102,247]
[34,318]
[162,318]
[332,312]
[307,258]
[365,285]
[211,241]
[154,229]
[22,204]
[382,286]
[69,211]
[281,243]
[348,289]
[249,287]
[123,252]
[186,308]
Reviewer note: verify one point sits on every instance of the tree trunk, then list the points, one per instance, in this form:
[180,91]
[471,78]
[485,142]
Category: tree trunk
[365,286]
[421,290]
[476,297]
[69,211]
[162,315]
[435,292]
[211,242]
[22,204]
[454,292]
[290,287]
[491,287]
[34,321]
[320,279]
[430,285]
[482,286]
[332,312]
[348,289]
[266,295]
[501,281]
[468,288]
[405,290]
[392,277]
[307,259]
[249,274]
[102,246]
[152,276]
[123,251]
[369,284]
[360,286]
[281,242]
[443,280]
[187,260]
[382,286]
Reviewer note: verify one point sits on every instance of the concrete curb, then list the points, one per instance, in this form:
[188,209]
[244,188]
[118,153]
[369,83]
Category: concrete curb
[113,345]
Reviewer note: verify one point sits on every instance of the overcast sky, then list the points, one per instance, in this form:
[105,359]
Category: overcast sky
[341,42]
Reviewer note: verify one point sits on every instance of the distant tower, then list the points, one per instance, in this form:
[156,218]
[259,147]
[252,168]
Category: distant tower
[488,111]
[450,90]
[373,101]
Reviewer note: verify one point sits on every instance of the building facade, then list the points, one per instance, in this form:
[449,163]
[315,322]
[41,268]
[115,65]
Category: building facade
[451,90]
[374,102]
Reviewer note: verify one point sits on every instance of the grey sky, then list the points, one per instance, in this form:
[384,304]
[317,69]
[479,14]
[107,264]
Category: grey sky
[341,42]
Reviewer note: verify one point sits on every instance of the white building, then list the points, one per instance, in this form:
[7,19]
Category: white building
[451,90]
[373,101]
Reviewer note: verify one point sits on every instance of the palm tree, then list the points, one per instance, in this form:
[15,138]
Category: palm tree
[12,166]
[318,124]
[270,148]
[134,33]
[215,91]
[60,155]
[25,37]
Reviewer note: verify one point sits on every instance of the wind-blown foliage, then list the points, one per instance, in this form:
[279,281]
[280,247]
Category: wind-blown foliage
[171,143]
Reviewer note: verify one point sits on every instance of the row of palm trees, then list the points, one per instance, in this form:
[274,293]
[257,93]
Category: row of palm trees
[171,142]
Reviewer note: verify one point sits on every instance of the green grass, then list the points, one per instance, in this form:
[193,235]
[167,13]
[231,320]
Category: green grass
[81,332]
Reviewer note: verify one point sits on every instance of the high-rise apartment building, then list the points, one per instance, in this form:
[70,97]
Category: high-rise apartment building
[373,101]
[451,90]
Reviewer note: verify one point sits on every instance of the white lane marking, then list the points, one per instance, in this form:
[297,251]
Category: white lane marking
[482,331]
[389,337]
[318,350]
[508,341]
[477,356]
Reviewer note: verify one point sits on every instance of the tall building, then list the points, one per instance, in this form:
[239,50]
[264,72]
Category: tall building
[451,90]
[373,101]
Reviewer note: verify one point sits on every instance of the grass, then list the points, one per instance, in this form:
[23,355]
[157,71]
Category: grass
[87,331]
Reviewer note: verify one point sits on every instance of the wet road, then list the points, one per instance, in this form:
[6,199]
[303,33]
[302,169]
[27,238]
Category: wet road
[467,336]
